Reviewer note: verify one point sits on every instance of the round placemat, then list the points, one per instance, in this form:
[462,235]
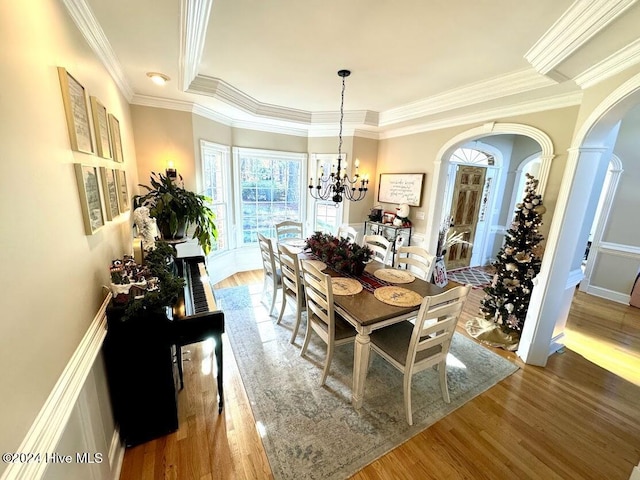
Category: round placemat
[393,275]
[398,296]
[345,286]
[317,263]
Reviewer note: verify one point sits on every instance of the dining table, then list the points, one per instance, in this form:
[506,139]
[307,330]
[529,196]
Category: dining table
[367,313]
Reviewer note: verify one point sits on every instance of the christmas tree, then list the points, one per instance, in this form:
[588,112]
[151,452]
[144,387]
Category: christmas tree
[518,262]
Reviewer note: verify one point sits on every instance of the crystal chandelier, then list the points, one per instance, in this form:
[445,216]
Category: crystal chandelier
[336,184]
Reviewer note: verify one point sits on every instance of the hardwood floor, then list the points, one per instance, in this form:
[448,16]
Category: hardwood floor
[570,420]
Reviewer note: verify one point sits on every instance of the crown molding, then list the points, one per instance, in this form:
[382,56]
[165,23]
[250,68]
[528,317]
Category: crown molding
[194,19]
[610,66]
[85,20]
[549,103]
[581,22]
[509,84]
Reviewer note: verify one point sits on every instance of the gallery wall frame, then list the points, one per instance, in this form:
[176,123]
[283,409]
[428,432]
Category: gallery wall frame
[401,188]
[110,189]
[101,128]
[90,197]
[123,190]
[116,138]
[74,98]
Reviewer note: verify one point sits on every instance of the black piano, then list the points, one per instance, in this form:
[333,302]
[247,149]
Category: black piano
[143,356]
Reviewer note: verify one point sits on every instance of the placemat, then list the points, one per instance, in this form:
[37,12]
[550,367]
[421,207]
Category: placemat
[398,296]
[345,286]
[318,264]
[394,275]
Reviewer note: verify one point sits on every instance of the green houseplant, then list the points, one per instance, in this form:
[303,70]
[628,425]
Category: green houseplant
[176,209]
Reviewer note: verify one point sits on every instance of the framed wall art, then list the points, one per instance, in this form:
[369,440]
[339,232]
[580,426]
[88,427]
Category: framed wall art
[116,139]
[110,189]
[123,191]
[101,127]
[90,197]
[401,188]
[76,111]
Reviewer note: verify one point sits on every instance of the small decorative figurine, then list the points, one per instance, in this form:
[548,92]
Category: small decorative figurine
[146,226]
[402,217]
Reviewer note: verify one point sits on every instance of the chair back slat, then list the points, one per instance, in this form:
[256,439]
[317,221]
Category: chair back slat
[288,229]
[380,246]
[417,260]
[319,293]
[348,232]
[266,252]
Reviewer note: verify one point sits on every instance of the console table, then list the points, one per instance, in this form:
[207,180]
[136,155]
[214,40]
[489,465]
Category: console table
[390,232]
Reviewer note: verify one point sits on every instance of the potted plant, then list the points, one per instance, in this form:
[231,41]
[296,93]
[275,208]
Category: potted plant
[176,209]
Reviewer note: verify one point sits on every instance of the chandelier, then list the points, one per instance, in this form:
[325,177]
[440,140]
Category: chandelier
[336,184]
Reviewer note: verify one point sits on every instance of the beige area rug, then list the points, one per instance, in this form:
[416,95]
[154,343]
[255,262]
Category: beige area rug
[313,432]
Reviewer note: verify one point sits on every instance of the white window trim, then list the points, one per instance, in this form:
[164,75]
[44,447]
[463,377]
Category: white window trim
[224,151]
[315,160]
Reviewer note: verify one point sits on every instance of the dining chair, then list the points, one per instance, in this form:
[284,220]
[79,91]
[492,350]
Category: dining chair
[412,348]
[321,317]
[292,285]
[348,232]
[380,246]
[288,229]
[417,260]
[272,276]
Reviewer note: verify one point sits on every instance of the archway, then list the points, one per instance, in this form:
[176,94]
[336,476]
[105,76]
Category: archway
[560,272]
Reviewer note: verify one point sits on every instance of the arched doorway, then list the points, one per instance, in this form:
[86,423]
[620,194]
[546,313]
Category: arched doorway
[561,266]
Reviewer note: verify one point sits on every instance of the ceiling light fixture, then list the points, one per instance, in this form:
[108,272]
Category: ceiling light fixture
[331,185]
[158,78]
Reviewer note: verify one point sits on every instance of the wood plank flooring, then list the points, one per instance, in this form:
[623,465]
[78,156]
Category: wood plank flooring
[569,420]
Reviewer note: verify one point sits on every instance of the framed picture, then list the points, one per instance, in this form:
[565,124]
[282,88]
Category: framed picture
[401,188]
[76,111]
[101,127]
[123,191]
[116,139]
[388,217]
[90,198]
[110,189]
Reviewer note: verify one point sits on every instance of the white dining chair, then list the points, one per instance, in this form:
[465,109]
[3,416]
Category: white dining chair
[417,260]
[412,348]
[288,229]
[292,286]
[380,246]
[348,232]
[272,277]
[321,317]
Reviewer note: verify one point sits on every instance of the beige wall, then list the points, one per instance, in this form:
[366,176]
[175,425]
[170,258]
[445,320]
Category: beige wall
[52,272]
[161,136]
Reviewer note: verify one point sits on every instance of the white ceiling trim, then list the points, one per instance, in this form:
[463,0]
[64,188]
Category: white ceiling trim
[509,84]
[193,29]
[556,101]
[616,63]
[85,20]
[582,21]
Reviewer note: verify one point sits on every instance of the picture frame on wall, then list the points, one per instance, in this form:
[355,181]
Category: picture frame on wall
[401,188]
[76,111]
[123,190]
[116,139]
[90,197]
[110,189]
[101,127]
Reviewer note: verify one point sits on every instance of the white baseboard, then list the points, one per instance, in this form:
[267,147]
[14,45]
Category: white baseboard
[608,294]
[116,454]
[50,424]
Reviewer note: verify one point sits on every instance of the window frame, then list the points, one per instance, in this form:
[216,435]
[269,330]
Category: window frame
[224,151]
[316,160]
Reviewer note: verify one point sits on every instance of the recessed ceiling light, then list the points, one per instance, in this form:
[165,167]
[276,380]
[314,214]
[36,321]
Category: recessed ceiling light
[158,78]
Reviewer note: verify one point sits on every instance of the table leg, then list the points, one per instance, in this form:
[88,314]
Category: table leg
[360,365]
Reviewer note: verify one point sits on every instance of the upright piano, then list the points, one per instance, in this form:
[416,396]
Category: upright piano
[143,356]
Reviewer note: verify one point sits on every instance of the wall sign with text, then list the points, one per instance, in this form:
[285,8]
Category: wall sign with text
[401,188]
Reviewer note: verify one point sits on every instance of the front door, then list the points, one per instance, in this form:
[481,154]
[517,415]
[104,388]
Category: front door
[465,205]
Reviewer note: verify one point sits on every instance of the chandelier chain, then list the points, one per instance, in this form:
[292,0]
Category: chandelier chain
[341,119]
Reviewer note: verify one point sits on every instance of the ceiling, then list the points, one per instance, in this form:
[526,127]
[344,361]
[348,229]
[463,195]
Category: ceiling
[416,64]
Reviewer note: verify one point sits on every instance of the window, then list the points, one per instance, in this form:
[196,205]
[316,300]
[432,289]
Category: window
[270,189]
[216,185]
[327,215]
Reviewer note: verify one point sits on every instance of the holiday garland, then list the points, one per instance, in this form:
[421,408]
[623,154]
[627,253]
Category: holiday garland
[518,262]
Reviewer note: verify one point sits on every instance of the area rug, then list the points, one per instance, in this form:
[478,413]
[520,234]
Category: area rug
[478,277]
[313,432]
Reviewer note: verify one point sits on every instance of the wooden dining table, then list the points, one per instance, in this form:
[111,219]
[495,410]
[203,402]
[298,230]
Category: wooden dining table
[366,313]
